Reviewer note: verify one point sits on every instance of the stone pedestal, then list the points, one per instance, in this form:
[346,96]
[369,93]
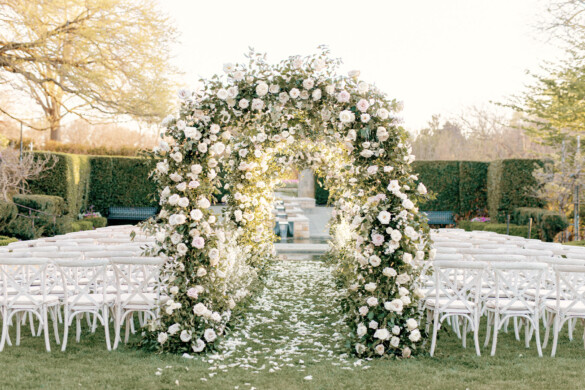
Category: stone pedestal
[306,184]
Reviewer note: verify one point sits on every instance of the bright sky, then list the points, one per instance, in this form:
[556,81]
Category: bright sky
[437,56]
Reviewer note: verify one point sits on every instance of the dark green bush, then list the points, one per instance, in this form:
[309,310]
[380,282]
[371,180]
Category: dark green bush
[321,193]
[50,219]
[97,222]
[472,188]
[511,185]
[515,230]
[548,223]
[49,204]
[442,179]
[8,212]
[25,229]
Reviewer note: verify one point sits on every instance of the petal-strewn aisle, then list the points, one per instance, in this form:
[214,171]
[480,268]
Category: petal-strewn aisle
[293,322]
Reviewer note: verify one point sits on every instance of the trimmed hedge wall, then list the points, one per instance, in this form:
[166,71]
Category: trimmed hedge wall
[442,178]
[120,181]
[510,185]
[472,188]
[101,181]
[69,179]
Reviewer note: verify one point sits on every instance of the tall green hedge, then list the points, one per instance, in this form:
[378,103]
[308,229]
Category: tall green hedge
[472,188]
[69,179]
[101,181]
[120,181]
[511,185]
[442,178]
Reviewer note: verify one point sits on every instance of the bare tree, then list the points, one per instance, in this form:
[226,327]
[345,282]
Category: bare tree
[16,171]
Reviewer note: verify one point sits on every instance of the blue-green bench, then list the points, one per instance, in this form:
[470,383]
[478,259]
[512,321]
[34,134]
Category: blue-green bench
[440,217]
[131,213]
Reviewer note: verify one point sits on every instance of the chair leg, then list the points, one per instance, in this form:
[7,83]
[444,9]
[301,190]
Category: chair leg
[5,322]
[496,328]
[66,323]
[464,333]
[45,320]
[435,329]
[527,333]
[488,330]
[55,323]
[547,330]
[537,335]
[516,329]
[556,331]
[476,335]
[78,328]
[117,325]
[105,313]
[18,324]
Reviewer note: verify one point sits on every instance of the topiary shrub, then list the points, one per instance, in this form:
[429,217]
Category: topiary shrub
[6,240]
[49,214]
[548,223]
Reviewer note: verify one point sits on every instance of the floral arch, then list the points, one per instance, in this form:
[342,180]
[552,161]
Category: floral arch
[238,134]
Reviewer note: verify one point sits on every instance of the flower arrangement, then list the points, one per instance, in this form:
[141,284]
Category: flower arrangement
[251,125]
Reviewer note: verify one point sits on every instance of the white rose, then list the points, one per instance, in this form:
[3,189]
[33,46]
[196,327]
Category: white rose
[308,83]
[363,105]
[382,113]
[196,214]
[396,235]
[196,169]
[343,97]
[354,74]
[330,89]
[185,336]
[202,147]
[363,310]
[203,203]
[222,94]
[174,329]
[317,94]
[421,189]
[360,348]
[174,199]
[181,124]
[414,336]
[396,330]
[209,335]
[382,134]
[201,272]
[238,75]
[182,186]
[244,103]
[232,92]
[411,324]
[174,290]
[375,261]
[396,305]
[213,256]
[372,301]
[389,272]
[262,88]
[362,330]
[294,93]
[162,167]
[297,63]
[402,279]
[229,67]
[372,170]
[198,346]
[183,202]
[370,286]
[274,88]
[363,87]
[379,349]
[407,204]
[382,334]
[406,300]
[162,338]
[384,217]
[366,153]
[182,249]
[407,258]
[395,342]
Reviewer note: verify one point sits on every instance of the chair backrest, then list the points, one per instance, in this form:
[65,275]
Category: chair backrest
[23,280]
[512,280]
[84,281]
[105,254]
[139,278]
[457,282]
[570,287]
[499,258]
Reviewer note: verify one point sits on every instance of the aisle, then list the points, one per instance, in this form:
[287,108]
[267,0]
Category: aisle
[293,322]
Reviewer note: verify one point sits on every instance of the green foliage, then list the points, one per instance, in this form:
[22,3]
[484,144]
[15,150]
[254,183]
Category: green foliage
[8,212]
[80,225]
[442,179]
[50,219]
[49,204]
[6,240]
[120,181]
[69,179]
[321,193]
[97,222]
[511,185]
[515,230]
[548,223]
[24,229]
[472,188]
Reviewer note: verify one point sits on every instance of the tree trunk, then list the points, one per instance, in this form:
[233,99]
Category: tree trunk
[55,126]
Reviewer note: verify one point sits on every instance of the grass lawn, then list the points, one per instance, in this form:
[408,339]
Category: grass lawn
[292,332]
